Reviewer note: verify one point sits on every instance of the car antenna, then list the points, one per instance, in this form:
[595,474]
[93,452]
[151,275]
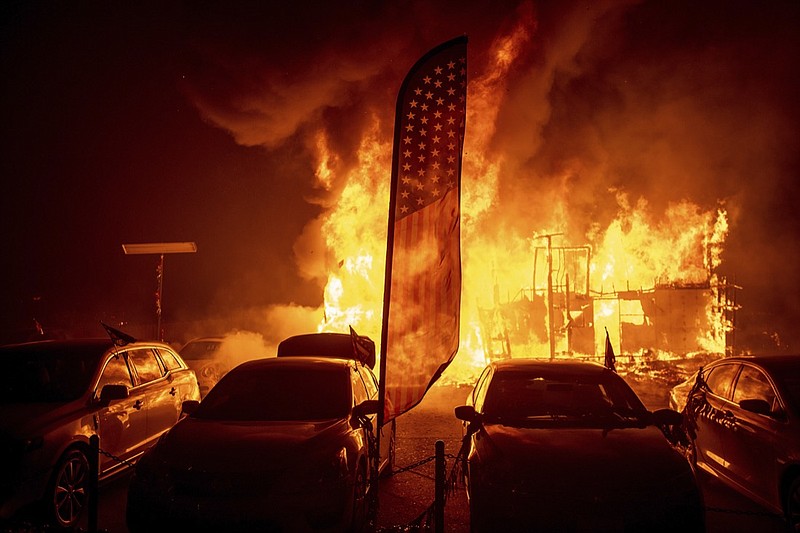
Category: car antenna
[118,337]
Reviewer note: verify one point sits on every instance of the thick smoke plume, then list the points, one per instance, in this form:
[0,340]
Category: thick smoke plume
[665,102]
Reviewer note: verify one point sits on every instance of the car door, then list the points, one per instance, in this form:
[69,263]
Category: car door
[182,381]
[751,443]
[711,409]
[370,385]
[122,424]
[155,389]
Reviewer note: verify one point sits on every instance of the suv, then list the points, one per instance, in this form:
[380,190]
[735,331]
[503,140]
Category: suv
[55,395]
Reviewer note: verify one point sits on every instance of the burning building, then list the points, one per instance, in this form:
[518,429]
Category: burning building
[671,318]
[652,285]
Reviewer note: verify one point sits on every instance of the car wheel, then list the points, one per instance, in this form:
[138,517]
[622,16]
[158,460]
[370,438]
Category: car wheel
[793,505]
[390,463]
[359,516]
[68,493]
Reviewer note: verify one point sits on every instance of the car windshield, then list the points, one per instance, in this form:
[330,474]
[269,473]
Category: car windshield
[46,375]
[594,400]
[279,393]
[200,350]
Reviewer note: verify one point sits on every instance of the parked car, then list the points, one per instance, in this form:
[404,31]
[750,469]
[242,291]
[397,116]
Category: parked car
[54,395]
[568,446]
[286,443]
[743,421]
[204,356]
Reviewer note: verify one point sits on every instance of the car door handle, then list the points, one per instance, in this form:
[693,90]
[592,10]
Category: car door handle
[137,404]
[730,420]
[172,391]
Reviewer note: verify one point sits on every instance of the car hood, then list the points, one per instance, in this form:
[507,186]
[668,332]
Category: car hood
[241,446]
[28,419]
[631,458]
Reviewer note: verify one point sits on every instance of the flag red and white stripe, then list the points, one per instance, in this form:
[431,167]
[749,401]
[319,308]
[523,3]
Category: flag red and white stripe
[422,297]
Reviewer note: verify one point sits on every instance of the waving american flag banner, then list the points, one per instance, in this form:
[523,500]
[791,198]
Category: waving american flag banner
[422,293]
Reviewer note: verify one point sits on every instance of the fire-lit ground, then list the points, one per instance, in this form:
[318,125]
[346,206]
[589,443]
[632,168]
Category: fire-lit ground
[406,495]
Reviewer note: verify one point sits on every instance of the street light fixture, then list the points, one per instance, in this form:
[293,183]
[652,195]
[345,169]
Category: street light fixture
[160,248]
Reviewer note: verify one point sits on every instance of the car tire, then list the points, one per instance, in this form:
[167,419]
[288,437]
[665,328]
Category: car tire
[360,504]
[68,492]
[792,508]
[390,463]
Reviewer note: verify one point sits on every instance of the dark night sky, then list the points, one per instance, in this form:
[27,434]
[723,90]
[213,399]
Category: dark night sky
[192,121]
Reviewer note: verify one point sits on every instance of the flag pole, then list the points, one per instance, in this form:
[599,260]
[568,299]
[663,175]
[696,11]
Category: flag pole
[387,279]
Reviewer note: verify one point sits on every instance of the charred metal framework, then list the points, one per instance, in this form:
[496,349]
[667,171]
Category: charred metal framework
[676,318]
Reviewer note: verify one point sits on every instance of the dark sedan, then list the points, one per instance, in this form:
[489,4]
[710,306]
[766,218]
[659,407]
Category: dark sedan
[568,446]
[743,419]
[279,444]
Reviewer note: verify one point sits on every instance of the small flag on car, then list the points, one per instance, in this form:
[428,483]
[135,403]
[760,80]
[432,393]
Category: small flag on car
[611,359]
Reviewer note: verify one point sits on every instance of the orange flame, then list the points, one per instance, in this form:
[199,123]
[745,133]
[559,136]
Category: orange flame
[636,251]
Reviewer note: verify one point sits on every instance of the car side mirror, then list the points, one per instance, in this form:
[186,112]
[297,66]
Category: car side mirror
[113,392]
[466,413]
[756,405]
[365,408]
[189,406]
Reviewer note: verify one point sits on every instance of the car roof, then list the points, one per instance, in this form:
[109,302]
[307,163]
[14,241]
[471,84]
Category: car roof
[564,366]
[99,344]
[205,339]
[772,362]
[325,344]
[296,362]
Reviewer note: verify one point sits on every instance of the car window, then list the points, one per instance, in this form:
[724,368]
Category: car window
[200,350]
[479,393]
[547,395]
[115,373]
[275,392]
[754,385]
[359,390]
[169,359]
[369,381]
[146,365]
[720,379]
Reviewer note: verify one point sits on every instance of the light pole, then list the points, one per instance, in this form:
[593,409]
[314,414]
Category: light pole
[160,248]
